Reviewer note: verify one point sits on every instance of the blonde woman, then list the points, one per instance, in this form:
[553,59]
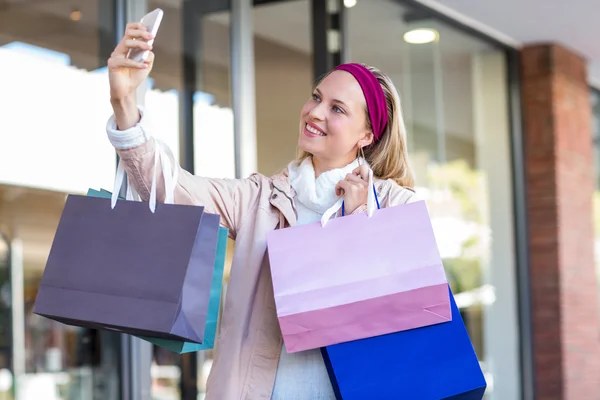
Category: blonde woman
[351,122]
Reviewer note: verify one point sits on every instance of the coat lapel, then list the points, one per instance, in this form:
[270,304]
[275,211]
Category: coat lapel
[282,197]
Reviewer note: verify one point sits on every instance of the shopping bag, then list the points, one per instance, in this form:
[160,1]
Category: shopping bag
[179,346]
[117,265]
[131,270]
[102,193]
[358,276]
[430,363]
[214,303]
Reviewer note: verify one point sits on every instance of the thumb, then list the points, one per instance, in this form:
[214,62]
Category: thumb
[150,59]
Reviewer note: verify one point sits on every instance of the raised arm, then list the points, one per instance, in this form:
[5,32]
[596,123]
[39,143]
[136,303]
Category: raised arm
[129,132]
[232,199]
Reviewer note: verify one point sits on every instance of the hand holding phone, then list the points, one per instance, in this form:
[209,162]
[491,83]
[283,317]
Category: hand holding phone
[151,22]
[129,65]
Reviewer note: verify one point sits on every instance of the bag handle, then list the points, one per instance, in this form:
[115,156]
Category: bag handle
[372,203]
[170,175]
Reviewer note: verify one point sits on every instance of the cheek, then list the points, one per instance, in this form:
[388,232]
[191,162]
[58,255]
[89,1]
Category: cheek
[341,128]
[306,109]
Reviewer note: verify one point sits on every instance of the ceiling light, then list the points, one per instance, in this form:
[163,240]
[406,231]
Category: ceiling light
[421,36]
[350,3]
[75,15]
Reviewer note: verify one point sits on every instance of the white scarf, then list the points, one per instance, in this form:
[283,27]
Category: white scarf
[317,194]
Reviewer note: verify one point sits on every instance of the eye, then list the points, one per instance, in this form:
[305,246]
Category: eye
[337,109]
[316,97]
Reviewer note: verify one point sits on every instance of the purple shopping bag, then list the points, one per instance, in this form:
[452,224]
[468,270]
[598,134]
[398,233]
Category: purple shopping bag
[357,277]
[131,270]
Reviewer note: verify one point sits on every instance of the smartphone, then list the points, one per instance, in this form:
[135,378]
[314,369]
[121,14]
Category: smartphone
[151,21]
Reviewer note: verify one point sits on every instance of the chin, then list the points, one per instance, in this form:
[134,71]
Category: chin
[302,145]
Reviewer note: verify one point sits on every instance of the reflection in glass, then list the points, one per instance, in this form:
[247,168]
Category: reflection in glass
[453,91]
[284,77]
[54,101]
[212,129]
[53,69]
[6,373]
[59,362]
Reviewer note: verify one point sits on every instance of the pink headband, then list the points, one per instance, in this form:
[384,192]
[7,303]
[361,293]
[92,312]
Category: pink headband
[376,103]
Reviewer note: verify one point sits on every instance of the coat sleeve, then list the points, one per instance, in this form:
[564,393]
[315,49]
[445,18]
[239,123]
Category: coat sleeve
[232,199]
[398,195]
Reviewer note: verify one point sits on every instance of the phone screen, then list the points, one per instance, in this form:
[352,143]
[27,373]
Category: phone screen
[151,21]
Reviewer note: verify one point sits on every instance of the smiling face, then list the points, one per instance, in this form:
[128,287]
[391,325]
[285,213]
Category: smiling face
[333,122]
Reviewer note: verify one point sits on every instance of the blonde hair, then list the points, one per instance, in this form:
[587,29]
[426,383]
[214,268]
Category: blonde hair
[388,157]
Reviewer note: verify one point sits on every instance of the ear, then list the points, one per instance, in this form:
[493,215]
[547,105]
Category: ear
[366,139]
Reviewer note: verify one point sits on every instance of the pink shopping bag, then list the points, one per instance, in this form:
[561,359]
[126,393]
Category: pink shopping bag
[357,276]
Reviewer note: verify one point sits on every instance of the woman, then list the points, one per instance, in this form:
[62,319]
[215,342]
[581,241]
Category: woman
[354,111]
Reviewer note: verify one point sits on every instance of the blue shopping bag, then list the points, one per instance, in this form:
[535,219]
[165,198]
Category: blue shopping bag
[212,318]
[430,363]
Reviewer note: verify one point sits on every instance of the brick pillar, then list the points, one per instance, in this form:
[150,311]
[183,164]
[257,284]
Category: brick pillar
[559,179]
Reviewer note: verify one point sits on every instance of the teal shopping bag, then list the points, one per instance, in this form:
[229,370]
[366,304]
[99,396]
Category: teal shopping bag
[214,303]
[101,193]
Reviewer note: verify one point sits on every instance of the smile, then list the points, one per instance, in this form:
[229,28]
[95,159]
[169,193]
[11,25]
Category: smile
[313,131]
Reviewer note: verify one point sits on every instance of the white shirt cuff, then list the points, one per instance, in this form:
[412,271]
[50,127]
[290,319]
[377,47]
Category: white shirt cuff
[129,138]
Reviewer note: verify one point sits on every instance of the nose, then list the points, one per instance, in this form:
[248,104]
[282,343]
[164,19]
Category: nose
[317,112]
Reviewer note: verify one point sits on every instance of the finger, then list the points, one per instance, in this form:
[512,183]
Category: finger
[345,187]
[136,28]
[353,178]
[137,44]
[150,58]
[137,34]
[341,187]
[362,171]
[126,44]
[114,62]
[135,25]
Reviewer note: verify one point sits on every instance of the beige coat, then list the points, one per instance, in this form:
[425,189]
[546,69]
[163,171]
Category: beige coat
[249,340]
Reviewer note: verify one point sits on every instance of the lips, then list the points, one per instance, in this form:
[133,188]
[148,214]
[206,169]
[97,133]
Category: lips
[313,130]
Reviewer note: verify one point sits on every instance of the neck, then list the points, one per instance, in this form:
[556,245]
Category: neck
[320,166]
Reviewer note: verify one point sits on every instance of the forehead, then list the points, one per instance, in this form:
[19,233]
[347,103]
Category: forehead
[341,85]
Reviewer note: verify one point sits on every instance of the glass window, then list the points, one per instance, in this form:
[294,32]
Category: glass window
[213,113]
[162,100]
[282,49]
[203,68]
[50,360]
[55,104]
[165,82]
[54,97]
[6,374]
[453,90]
[214,151]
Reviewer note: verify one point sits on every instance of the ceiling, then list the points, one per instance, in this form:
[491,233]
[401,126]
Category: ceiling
[289,24]
[514,22]
[572,23]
